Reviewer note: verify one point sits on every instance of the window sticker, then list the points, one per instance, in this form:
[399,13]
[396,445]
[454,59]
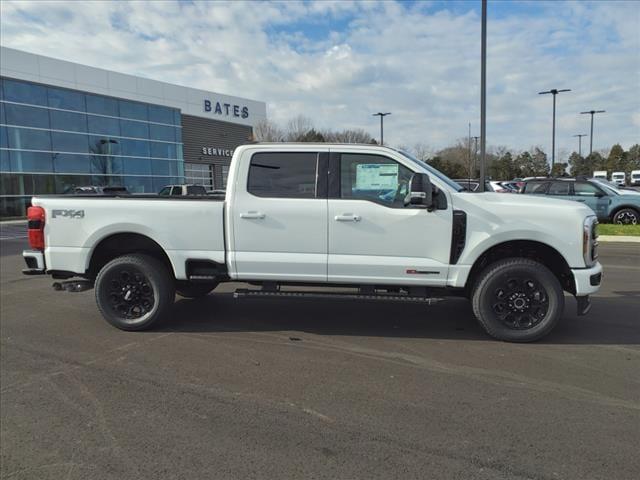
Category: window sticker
[376,176]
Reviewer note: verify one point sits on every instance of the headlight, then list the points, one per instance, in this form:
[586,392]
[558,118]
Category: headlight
[589,241]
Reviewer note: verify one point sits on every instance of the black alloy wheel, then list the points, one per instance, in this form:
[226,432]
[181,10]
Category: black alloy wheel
[520,302]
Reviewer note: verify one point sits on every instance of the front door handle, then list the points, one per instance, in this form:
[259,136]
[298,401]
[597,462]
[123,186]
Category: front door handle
[348,217]
[252,215]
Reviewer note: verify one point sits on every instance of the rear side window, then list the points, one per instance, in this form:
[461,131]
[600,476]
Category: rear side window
[283,174]
[559,188]
[536,187]
[196,190]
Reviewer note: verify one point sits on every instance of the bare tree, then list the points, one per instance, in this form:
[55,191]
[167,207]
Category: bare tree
[422,151]
[266,131]
[347,136]
[297,127]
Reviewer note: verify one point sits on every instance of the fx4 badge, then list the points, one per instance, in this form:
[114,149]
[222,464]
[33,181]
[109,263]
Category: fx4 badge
[67,213]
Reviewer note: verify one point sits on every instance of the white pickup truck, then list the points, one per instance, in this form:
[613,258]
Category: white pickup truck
[324,215]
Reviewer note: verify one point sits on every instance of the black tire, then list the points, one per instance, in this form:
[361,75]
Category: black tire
[134,291]
[194,290]
[626,216]
[517,300]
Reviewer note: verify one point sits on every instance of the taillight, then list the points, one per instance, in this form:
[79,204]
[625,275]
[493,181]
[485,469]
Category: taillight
[35,216]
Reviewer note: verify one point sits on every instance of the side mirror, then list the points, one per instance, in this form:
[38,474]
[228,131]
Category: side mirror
[421,192]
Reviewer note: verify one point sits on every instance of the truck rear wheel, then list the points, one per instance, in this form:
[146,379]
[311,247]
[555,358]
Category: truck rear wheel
[134,291]
[194,290]
[517,300]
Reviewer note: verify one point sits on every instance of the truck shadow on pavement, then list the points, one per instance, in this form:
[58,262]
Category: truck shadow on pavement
[609,323]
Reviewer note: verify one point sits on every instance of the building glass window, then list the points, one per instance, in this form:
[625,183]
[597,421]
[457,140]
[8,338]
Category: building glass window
[102,105]
[135,110]
[104,125]
[66,99]
[22,161]
[69,142]
[24,116]
[161,114]
[68,121]
[23,92]
[162,132]
[29,139]
[62,138]
[129,128]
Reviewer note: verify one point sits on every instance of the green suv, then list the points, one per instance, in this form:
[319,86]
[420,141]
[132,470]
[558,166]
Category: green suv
[609,205]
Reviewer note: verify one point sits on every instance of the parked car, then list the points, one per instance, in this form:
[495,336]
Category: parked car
[367,217]
[498,187]
[473,185]
[634,180]
[619,178]
[609,205]
[513,185]
[180,190]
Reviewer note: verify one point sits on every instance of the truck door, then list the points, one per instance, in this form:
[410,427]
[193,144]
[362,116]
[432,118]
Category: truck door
[373,237]
[279,217]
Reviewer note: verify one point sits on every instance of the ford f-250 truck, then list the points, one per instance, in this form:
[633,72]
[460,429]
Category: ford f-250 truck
[324,215]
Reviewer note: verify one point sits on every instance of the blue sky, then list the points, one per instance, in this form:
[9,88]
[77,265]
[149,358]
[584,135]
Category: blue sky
[338,62]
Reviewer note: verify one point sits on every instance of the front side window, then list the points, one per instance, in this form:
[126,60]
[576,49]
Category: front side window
[283,174]
[165,191]
[559,188]
[586,190]
[539,188]
[375,178]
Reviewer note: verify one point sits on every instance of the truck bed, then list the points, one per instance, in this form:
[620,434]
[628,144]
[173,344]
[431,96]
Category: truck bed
[185,227]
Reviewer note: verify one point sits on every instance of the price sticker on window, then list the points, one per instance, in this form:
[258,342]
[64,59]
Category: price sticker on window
[376,176]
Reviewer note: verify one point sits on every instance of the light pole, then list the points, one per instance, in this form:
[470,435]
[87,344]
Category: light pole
[591,112]
[483,92]
[381,115]
[554,92]
[580,135]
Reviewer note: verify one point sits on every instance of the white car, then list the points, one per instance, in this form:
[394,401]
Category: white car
[317,215]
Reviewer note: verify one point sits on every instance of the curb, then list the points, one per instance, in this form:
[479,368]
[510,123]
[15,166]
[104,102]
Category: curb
[618,238]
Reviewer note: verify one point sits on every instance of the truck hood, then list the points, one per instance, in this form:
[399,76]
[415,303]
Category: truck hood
[520,204]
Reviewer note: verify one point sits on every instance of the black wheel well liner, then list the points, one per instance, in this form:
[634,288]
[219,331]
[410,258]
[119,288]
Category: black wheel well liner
[534,250]
[119,244]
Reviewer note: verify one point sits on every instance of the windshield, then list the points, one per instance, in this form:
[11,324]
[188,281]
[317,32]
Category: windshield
[457,187]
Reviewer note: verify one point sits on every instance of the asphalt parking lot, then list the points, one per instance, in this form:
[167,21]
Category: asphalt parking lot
[315,389]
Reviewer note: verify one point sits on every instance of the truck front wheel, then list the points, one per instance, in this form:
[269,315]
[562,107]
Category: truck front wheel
[517,300]
[134,291]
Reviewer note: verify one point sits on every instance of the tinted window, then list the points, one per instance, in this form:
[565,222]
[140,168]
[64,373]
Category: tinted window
[375,178]
[196,190]
[165,167]
[536,187]
[176,191]
[559,188]
[163,150]
[586,189]
[29,139]
[137,166]
[69,142]
[26,116]
[104,145]
[134,110]
[129,128]
[66,99]
[135,148]
[68,163]
[102,105]
[5,166]
[160,114]
[104,125]
[30,161]
[165,191]
[24,92]
[283,175]
[72,122]
[161,132]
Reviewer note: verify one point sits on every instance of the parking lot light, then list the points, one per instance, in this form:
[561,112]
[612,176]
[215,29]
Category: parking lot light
[554,92]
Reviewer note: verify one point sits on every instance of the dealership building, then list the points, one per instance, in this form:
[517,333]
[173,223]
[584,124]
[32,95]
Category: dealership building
[65,125]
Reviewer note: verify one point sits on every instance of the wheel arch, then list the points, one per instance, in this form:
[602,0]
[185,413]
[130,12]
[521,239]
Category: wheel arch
[123,243]
[532,249]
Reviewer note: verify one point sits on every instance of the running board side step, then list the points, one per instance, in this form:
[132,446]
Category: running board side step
[246,293]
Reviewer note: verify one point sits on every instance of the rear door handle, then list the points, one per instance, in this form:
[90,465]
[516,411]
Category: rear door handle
[348,217]
[252,215]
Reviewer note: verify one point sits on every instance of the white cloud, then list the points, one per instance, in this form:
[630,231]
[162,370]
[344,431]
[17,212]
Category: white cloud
[338,62]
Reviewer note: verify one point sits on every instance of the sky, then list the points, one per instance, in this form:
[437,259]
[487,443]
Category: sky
[339,62]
